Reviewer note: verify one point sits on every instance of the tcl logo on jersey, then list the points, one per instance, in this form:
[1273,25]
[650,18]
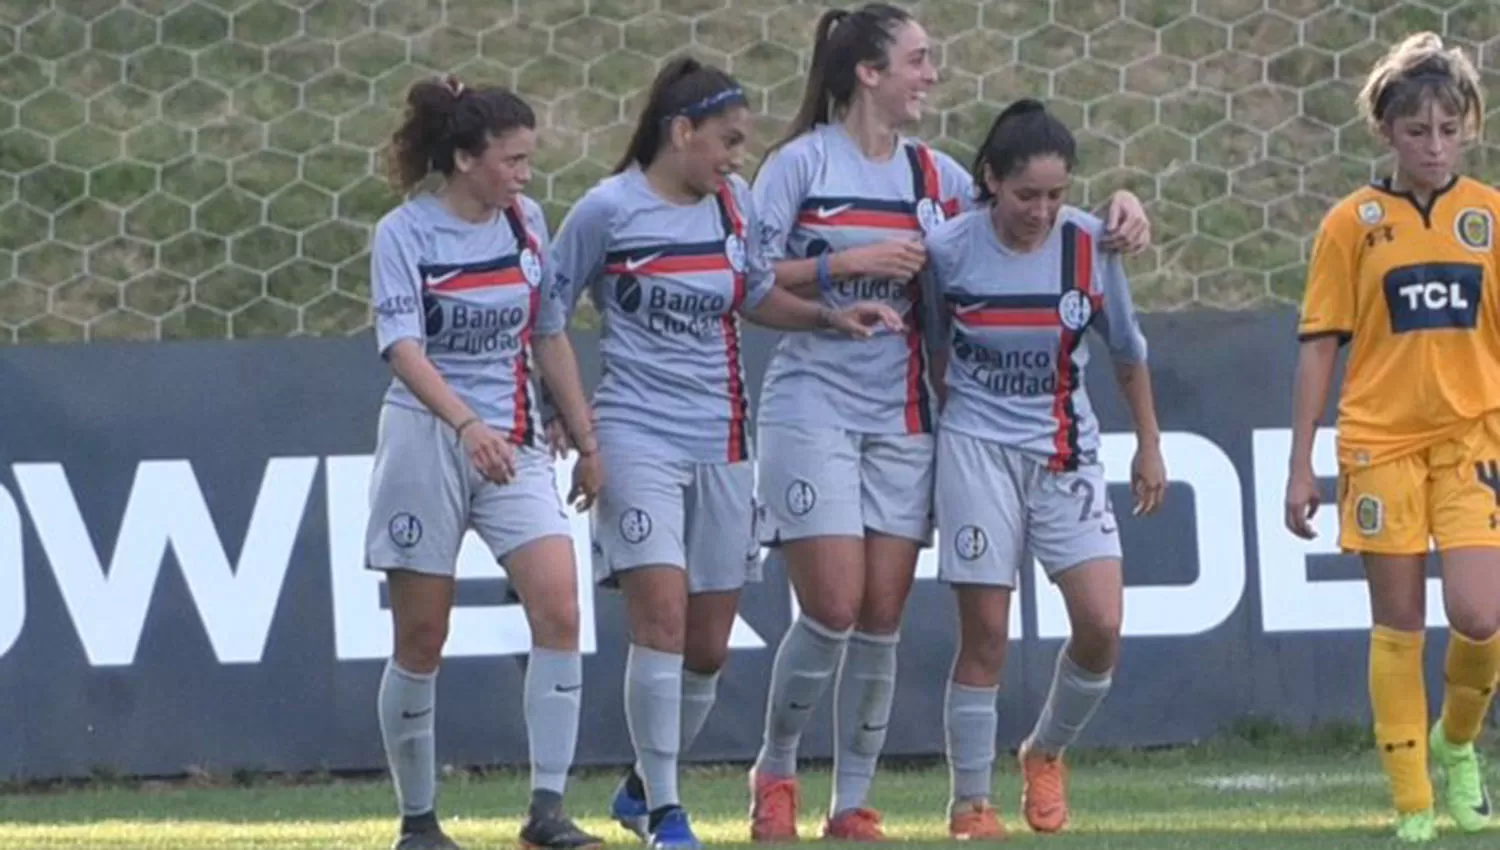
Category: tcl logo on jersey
[1433,296]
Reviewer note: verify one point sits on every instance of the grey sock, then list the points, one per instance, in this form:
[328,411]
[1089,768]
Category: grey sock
[653,713]
[407,703]
[554,691]
[866,686]
[970,719]
[1075,696]
[699,691]
[805,661]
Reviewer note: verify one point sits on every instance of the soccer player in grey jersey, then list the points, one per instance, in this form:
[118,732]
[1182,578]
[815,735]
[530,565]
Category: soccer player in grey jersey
[663,246]
[464,301]
[1013,287]
[846,432]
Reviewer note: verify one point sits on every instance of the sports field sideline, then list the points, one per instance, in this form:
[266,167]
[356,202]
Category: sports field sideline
[1261,791]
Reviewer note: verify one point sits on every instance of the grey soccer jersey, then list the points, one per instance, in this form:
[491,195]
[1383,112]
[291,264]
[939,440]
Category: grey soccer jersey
[472,295]
[670,281]
[820,193]
[1015,325]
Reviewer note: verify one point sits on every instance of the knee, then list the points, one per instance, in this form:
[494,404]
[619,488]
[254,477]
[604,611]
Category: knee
[881,616]
[1400,614]
[1095,643]
[419,644]
[663,631]
[554,621]
[1478,623]
[705,660]
[983,649]
[835,615]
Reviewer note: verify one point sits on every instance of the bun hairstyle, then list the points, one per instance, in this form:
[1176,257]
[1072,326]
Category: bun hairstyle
[443,117]
[1418,69]
[684,88]
[841,43]
[1023,130]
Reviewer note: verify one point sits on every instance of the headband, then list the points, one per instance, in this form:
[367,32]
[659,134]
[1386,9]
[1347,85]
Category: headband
[1433,76]
[733,94]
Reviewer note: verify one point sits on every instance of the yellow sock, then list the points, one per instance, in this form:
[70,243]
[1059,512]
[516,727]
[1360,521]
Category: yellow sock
[1470,669]
[1398,698]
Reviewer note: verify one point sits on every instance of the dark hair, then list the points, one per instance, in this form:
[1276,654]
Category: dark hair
[843,40]
[1419,68]
[684,88]
[443,117]
[1021,131]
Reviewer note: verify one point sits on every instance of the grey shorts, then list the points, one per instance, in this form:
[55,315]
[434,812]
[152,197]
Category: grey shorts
[425,494]
[831,482]
[994,504]
[699,517]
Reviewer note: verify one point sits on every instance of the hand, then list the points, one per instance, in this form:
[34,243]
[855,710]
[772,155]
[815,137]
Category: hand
[558,440]
[1302,501]
[862,318]
[490,453]
[1148,479]
[1127,229]
[894,259]
[588,477]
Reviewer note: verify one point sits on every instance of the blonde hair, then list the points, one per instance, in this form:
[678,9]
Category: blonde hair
[1417,69]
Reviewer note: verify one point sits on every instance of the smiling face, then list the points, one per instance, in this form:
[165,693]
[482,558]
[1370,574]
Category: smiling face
[714,149]
[899,90]
[1027,201]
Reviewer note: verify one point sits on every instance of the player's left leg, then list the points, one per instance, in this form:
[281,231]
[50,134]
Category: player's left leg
[1075,538]
[1464,487]
[526,527]
[1093,592]
[896,474]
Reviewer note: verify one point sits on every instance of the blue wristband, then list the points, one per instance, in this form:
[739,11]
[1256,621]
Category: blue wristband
[825,274]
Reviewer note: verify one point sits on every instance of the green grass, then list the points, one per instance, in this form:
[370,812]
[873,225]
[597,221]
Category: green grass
[1254,792]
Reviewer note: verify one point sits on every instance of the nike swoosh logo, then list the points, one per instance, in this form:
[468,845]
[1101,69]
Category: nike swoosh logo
[868,728]
[413,715]
[634,264]
[800,706]
[1483,809]
[965,309]
[439,279]
[568,689]
[830,212]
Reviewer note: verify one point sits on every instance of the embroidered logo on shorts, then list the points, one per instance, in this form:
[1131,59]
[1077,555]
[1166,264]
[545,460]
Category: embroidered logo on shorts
[1369,515]
[635,525]
[971,542]
[1475,229]
[801,497]
[405,530]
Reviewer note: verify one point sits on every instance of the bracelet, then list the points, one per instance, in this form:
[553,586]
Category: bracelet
[825,273]
[825,317]
[459,431]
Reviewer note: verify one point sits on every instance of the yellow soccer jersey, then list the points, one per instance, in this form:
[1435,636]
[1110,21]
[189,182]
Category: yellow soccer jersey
[1414,293]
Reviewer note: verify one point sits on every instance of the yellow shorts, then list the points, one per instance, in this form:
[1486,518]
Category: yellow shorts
[1448,492]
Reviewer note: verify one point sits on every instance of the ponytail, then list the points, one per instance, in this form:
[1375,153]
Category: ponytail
[684,88]
[843,41]
[444,117]
[1023,130]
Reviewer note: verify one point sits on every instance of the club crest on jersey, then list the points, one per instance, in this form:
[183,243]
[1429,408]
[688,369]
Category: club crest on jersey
[1475,228]
[929,215]
[1369,515]
[1371,212]
[1074,310]
[734,251]
[531,267]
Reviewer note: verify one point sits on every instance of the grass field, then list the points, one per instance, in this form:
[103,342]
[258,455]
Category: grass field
[1248,795]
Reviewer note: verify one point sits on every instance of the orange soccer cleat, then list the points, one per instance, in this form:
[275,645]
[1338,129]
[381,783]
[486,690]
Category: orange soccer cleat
[975,820]
[1044,792]
[773,814]
[854,825]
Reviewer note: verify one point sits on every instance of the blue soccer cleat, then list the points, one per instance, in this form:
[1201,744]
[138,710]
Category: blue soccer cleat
[628,810]
[674,832]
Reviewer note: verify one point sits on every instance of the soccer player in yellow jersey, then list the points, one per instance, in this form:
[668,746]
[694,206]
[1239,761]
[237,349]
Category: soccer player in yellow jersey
[1405,272]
